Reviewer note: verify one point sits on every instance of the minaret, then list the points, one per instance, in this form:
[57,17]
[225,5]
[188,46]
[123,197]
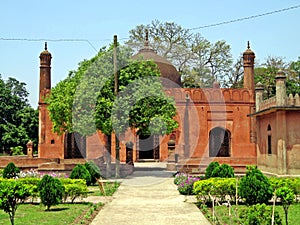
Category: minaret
[45,74]
[44,90]
[248,62]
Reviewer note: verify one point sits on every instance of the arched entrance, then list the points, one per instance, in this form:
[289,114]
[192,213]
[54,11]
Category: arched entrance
[148,147]
[75,146]
[219,142]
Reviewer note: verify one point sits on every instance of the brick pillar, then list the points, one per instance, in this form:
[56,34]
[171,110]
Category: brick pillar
[280,88]
[259,90]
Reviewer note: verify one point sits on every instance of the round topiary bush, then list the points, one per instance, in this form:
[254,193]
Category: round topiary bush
[51,191]
[255,187]
[93,170]
[80,172]
[223,171]
[10,171]
[210,169]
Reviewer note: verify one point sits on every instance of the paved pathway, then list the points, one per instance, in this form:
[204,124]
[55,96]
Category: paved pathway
[149,197]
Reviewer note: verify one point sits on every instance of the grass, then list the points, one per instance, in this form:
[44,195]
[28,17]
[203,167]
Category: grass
[110,189]
[222,213]
[78,213]
[35,214]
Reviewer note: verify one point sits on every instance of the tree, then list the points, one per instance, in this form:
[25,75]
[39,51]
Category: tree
[287,197]
[51,191]
[93,170]
[18,121]
[255,187]
[12,193]
[210,168]
[81,172]
[10,171]
[266,73]
[199,61]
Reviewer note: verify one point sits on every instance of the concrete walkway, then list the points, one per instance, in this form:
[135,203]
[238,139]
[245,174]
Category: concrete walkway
[149,197]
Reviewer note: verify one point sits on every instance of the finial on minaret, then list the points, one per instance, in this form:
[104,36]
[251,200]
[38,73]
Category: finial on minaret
[46,46]
[147,39]
[248,44]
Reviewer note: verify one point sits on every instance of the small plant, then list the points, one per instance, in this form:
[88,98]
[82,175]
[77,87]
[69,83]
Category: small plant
[210,169]
[12,193]
[259,214]
[185,183]
[10,171]
[93,170]
[51,191]
[287,197]
[255,187]
[80,172]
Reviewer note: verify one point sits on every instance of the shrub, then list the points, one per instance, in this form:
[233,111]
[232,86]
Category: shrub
[292,183]
[93,170]
[223,171]
[210,169]
[217,187]
[74,191]
[80,172]
[51,191]
[32,184]
[255,187]
[258,214]
[10,171]
[12,193]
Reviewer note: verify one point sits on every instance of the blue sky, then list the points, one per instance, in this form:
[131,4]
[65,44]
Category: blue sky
[97,21]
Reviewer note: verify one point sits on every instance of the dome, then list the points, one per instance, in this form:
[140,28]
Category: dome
[166,68]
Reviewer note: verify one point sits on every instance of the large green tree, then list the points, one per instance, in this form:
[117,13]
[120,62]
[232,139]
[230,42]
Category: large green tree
[266,72]
[199,61]
[18,120]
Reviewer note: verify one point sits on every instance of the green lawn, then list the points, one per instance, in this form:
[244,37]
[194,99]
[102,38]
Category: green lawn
[36,214]
[222,213]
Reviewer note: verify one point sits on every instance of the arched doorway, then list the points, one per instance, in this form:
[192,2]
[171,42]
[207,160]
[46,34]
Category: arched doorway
[219,142]
[148,147]
[75,146]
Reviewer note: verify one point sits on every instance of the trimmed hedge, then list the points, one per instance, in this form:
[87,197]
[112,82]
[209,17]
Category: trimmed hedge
[217,187]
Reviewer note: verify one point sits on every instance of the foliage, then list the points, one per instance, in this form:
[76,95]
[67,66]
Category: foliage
[217,187]
[10,171]
[223,171]
[51,191]
[18,150]
[85,101]
[18,121]
[255,187]
[287,197]
[210,168]
[12,193]
[185,183]
[291,183]
[266,73]
[142,103]
[74,191]
[199,61]
[32,184]
[259,214]
[94,171]
[80,172]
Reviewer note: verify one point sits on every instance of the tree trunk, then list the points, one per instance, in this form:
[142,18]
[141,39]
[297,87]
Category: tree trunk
[108,156]
[286,216]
